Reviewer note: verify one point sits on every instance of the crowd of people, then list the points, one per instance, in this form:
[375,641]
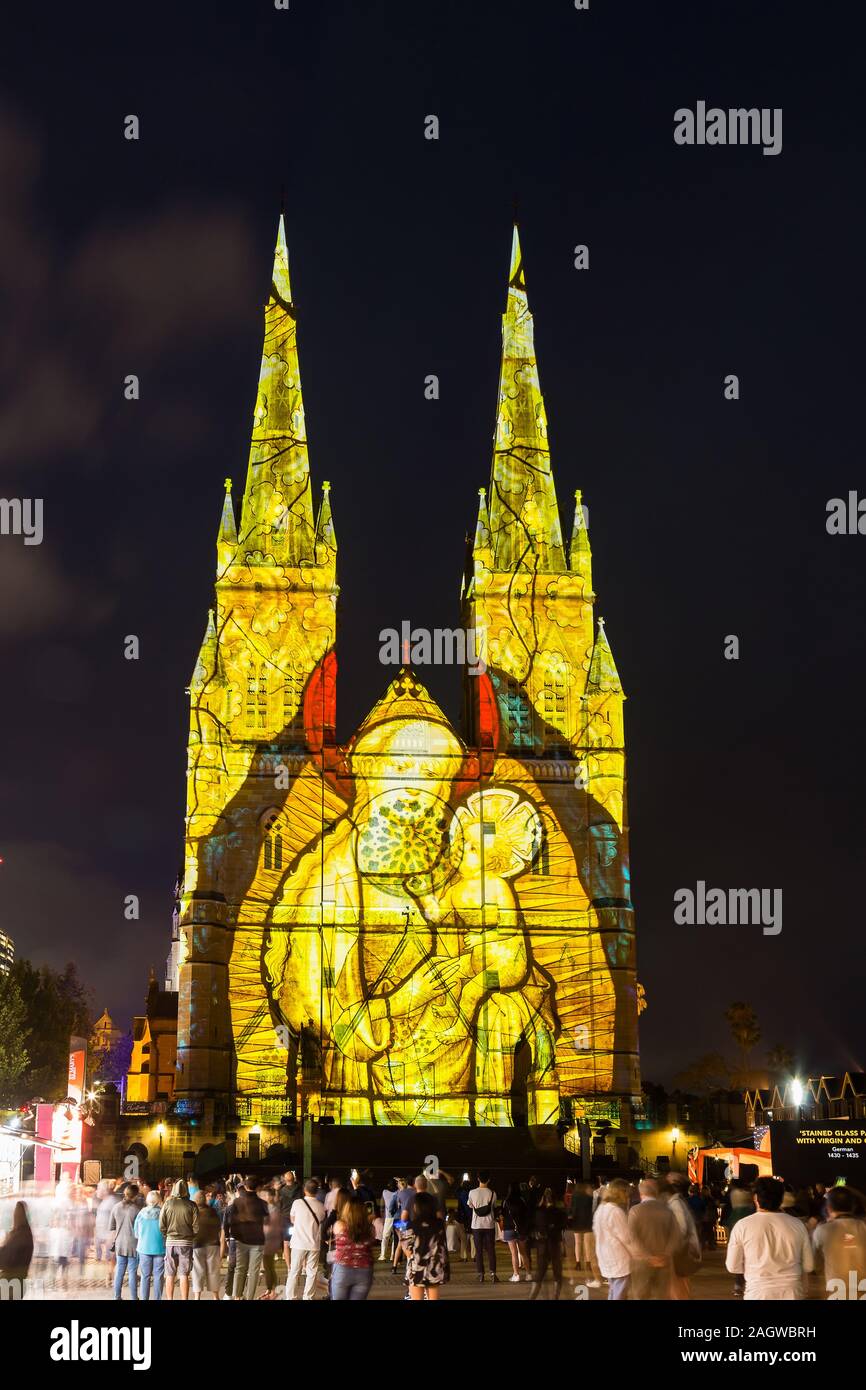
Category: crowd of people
[250,1238]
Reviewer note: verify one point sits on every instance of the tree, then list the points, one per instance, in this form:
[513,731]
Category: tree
[745,1030]
[709,1073]
[112,1063]
[780,1059]
[14,1058]
[56,1008]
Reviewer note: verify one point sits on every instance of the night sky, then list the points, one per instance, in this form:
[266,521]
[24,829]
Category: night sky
[707,516]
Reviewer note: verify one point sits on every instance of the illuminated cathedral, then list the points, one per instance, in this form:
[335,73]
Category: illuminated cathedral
[423,925]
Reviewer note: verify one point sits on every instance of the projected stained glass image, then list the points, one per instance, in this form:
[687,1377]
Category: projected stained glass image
[417,925]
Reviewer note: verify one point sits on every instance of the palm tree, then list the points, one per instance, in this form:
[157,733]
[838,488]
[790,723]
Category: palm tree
[780,1059]
[745,1030]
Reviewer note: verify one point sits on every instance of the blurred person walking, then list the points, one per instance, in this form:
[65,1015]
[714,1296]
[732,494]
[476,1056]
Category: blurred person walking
[612,1246]
[107,1197]
[273,1241]
[207,1250]
[392,1198]
[547,1229]
[653,1237]
[839,1244]
[687,1256]
[16,1252]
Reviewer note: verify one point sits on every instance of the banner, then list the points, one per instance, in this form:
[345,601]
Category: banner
[77,1068]
[807,1151]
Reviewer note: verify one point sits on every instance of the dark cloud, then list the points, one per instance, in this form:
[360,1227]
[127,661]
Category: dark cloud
[39,597]
[131,296]
[58,907]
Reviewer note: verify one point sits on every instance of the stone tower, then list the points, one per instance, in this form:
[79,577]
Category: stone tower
[262,703]
[552,707]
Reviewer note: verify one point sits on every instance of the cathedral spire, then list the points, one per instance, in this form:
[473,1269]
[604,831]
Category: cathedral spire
[482,526]
[326,536]
[580,554]
[208,667]
[524,518]
[602,677]
[277,517]
[227,536]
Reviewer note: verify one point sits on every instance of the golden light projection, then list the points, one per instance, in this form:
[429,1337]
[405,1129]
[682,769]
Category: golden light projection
[414,927]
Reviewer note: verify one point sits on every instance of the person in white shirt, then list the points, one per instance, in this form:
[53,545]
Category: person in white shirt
[332,1195]
[771,1249]
[482,1204]
[306,1218]
[612,1247]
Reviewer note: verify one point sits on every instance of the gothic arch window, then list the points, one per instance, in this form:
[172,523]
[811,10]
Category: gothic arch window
[555,701]
[293,696]
[273,841]
[256,713]
[518,713]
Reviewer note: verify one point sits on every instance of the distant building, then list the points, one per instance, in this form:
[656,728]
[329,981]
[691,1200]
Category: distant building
[104,1034]
[838,1097]
[151,1074]
[7,953]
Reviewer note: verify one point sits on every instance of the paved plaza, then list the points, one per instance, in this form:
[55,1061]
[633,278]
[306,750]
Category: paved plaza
[712,1283]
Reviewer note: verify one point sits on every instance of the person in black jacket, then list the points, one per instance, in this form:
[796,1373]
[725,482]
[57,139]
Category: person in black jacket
[548,1226]
[245,1224]
[16,1252]
[515,1222]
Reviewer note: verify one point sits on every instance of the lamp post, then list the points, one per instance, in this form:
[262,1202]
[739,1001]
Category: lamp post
[797,1096]
[675,1134]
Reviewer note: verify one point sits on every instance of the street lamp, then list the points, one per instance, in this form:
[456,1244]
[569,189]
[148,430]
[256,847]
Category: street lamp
[797,1095]
[675,1134]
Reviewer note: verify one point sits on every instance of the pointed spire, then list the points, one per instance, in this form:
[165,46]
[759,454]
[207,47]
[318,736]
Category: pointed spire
[326,536]
[227,536]
[580,554]
[482,526]
[281,284]
[277,518]
[602,677]
[208,666]
[228,532]
[524,517]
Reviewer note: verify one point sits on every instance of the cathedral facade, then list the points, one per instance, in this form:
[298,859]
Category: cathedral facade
[422,925]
